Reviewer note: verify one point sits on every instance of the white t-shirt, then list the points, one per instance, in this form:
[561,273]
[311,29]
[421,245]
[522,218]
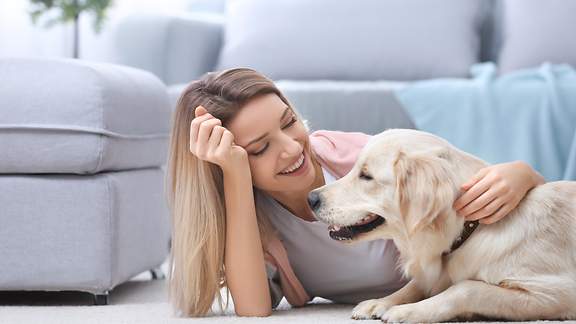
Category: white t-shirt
[344,273]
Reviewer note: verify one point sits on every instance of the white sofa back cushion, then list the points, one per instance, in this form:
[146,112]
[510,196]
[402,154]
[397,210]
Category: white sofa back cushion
[537,31]
[352,40]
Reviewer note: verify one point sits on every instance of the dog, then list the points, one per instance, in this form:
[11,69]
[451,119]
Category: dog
[402,187]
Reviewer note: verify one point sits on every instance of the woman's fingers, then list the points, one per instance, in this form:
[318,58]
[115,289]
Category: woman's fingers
[478,189]
[211,142]
[486,210]
[194,128]
[215,138]
[227,140]
[498,215]
[199,111]
[204,135]
[478,204]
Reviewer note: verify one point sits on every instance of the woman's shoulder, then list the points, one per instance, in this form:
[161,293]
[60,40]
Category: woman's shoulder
[336,150]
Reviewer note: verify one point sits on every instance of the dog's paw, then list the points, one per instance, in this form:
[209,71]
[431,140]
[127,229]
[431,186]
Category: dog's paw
[407,313]
[371,309]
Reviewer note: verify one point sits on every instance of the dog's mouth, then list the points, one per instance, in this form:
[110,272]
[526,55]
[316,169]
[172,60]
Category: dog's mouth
[366,224]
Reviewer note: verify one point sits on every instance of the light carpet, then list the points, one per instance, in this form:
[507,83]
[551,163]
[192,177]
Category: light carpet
[142,300]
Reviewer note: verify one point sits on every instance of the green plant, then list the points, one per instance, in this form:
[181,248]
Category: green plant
[69,11]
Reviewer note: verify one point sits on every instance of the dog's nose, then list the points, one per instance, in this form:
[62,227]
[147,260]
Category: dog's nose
[314,200]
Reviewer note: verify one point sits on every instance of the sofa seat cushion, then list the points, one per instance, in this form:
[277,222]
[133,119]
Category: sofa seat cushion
[72,116]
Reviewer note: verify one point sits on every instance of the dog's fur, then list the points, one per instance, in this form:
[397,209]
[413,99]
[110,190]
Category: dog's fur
[522,267]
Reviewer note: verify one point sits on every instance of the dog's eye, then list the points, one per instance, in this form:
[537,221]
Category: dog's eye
[365,176]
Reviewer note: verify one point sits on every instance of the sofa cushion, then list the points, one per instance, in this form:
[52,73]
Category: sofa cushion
[352,40]
[72,116]
[537,31]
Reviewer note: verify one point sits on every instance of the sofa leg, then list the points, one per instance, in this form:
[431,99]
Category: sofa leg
[101,299]
[157,273]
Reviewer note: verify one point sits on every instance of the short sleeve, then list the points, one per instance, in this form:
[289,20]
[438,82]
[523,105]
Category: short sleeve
[273,275]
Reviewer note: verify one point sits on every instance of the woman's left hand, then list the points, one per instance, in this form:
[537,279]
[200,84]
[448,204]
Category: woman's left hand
[495,191]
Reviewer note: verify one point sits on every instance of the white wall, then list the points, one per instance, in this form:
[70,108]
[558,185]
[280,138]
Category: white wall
[19,37]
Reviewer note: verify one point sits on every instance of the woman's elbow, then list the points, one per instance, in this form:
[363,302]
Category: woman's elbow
[254,313]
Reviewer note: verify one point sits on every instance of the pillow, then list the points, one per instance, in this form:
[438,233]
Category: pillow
[537,31]
[352,40]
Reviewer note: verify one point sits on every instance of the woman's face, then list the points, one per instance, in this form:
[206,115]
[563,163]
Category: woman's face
[276,140]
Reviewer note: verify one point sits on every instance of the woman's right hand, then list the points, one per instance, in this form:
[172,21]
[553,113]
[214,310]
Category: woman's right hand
[211,142]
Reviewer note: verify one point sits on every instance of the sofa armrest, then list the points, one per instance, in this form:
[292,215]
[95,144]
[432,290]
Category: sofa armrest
[177,49]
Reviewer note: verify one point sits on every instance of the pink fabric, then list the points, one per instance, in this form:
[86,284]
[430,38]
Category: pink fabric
[337,152]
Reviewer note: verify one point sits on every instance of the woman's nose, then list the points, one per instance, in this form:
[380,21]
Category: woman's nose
[291,147]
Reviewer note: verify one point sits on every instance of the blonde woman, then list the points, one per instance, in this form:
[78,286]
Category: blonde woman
[240,168]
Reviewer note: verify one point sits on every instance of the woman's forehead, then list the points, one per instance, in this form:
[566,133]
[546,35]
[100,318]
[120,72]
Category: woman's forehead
[258,117]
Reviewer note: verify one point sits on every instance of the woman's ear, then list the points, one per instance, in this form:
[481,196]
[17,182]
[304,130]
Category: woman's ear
[424,188]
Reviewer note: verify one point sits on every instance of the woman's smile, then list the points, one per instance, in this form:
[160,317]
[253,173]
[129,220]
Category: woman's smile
[298,168]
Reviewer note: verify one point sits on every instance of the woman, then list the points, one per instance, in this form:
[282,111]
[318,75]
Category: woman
[240,168]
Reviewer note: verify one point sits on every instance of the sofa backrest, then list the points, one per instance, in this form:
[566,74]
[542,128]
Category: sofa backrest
[510,32]
[353,40]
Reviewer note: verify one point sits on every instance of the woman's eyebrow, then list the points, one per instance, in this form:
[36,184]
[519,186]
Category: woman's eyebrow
[266,134]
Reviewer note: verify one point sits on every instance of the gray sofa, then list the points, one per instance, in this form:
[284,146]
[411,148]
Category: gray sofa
[339,59]
[82,147]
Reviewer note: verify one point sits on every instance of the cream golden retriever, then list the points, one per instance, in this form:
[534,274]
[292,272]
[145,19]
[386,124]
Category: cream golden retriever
[402,187]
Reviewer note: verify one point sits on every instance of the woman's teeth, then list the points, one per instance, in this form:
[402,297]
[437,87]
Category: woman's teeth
[294,166]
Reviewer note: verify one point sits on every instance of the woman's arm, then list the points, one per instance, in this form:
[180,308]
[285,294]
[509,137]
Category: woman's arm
[496,190]
[244,259]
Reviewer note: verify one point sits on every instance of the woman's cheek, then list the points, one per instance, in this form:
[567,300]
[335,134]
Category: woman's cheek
[263,171]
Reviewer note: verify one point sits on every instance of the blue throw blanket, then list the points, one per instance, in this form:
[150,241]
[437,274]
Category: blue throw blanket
[527,115]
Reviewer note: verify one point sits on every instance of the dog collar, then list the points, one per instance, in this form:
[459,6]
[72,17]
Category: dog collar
[469,227]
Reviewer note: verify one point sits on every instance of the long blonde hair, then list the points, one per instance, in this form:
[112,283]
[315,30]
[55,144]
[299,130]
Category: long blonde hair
[195,191]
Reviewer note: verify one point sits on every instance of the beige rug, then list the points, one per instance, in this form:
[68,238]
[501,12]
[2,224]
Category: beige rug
[142,302]
[145,301]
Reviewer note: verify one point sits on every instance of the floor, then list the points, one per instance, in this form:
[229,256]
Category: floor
[142,300]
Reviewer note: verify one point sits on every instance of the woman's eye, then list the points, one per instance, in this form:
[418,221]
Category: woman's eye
[262,150]
[291,122]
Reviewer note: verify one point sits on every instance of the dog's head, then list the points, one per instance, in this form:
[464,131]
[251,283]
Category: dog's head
[403,183]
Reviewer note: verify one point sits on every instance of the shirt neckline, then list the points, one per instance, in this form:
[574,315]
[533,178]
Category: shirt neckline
[298,219]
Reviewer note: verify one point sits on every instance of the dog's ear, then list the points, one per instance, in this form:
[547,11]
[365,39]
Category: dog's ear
[424,188]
